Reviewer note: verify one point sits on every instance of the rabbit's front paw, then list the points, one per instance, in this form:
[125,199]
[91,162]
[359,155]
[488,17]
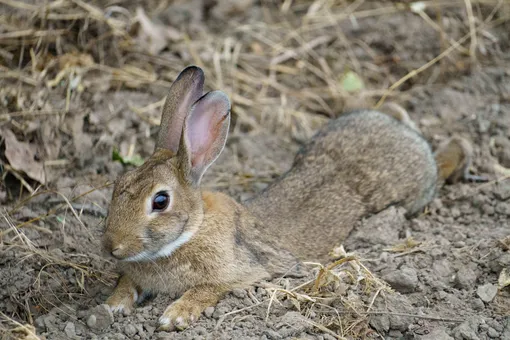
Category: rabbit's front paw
[183,312]
[119,306]
[179,315]
[124,296]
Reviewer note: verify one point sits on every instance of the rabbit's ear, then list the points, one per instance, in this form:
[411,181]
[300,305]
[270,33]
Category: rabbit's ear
[204,135]
[184,92]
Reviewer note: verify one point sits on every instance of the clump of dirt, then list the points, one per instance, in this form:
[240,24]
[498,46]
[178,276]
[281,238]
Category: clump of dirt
[83,84]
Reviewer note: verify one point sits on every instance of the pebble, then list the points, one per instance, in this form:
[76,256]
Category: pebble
[465,278]
[504,260]
[459,244]
[261,291]
[503,208]
[209,311]
[328,337]
[201,330]
[100,317]
[477,304]
[291,324]
[492,333]
[436,334]
[404,280]
[139,330]
[495,324]
[220,311]
[239,293]
[163,335]
[129,330]
[380,323]
[487,292]
[150,330]
[455,212]
[91,321]
[488,209]
[49,321]
[465,331]
[503,191]
[70,330]
[39,322]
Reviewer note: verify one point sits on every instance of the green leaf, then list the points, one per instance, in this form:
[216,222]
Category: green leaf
[136,160]
[351,82]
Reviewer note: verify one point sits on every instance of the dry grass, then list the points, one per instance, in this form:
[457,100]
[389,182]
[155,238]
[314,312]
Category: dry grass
[282,71]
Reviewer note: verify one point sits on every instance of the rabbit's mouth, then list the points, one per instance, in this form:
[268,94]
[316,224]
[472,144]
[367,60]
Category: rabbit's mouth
[165,251]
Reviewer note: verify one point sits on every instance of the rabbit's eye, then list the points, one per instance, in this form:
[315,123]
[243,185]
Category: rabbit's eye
[160,201]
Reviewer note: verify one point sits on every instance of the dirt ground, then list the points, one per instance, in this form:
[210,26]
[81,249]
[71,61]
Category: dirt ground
[82,85]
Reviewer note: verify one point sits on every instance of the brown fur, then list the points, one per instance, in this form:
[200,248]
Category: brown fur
[358,164]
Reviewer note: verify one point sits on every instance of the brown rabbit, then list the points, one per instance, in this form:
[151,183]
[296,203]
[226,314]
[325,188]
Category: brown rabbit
[172,237]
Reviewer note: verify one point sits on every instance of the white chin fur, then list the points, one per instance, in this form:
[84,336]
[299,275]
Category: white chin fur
[165,251]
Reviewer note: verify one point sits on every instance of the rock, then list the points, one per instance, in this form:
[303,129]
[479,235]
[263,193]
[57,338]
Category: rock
[49,321]
[91,321]
[504,260]
[487,292]
[163,336]
[292,324]
[39,322]
[467,330]
[399,323]
[220,311]
[326,336]
[503,191]
[201,331]
[70,330]
[503,208]
[380,323]
[129,330]
[404,280]
[477,304]
[492,333]
[209,311]
[239,293]
[436,334]
[442,268]
[506,330]
[100,317]
[270,334]
[150,329]
[465,278]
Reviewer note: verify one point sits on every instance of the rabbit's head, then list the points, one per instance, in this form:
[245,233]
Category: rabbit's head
[158,207]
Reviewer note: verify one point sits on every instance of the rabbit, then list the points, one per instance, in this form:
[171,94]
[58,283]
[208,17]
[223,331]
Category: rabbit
[170,236]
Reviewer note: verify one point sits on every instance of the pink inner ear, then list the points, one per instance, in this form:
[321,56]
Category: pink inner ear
[200,132]
[204,126]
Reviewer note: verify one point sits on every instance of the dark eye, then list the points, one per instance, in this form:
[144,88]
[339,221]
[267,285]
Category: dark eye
[160,201]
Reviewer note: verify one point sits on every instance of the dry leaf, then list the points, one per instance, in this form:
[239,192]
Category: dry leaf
[21,157]
[409,244]
[155,37]
[75,59]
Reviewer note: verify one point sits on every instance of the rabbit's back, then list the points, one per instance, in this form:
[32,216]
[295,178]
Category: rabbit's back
[359,163]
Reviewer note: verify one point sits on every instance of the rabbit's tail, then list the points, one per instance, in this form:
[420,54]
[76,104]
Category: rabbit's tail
[453,159]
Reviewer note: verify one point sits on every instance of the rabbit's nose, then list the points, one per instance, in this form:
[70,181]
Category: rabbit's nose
[117,252]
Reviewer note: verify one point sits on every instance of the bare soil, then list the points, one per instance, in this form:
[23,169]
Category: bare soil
[82,80]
